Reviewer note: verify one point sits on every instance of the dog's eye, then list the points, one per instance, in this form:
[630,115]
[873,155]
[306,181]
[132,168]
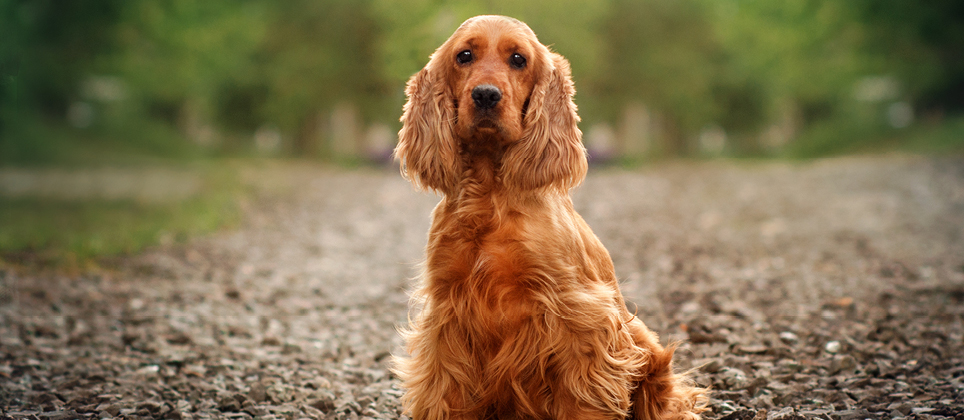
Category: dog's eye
[517,61]
[464,57]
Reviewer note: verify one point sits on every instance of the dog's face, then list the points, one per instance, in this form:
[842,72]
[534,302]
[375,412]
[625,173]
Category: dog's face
[493,64]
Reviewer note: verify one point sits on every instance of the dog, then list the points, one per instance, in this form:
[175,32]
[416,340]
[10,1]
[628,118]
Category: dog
[520,315]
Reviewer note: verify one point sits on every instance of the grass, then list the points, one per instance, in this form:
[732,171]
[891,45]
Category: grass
[71,233]
[77,232]
[841,138]
[38,142]
[937,139]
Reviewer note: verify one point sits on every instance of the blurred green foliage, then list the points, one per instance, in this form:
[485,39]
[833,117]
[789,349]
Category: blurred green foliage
[184,79]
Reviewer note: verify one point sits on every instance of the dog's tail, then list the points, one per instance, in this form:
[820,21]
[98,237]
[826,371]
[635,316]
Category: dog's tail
[662,394]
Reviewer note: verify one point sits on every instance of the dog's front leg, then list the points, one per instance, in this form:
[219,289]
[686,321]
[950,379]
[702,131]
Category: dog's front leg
[438,375]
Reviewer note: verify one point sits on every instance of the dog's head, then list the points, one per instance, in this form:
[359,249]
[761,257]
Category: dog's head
[492,86]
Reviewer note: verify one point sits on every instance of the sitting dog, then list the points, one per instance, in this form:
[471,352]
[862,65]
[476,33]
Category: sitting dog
[521,316]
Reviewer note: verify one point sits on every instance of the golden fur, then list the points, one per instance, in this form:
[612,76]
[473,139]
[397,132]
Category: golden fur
[520,311]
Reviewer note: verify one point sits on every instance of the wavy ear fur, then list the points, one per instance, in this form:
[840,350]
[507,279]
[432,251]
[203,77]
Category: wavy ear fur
[550,153]
[426,147]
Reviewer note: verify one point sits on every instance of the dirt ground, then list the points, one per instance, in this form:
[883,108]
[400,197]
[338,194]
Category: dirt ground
[831,289]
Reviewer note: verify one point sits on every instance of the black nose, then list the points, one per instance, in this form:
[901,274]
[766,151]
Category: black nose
[486,96]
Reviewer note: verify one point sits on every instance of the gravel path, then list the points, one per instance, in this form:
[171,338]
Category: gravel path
[832,289]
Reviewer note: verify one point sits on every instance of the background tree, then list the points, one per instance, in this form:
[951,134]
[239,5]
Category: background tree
[922,43]
[660,54]
[318,55]
[176,57]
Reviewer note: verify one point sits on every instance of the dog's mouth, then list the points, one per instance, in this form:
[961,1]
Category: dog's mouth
[485,124]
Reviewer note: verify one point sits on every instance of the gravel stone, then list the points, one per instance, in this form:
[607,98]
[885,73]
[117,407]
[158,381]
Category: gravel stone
[789,337]
[846,364]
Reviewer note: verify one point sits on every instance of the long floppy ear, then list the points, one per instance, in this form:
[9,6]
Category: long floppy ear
[426,147]
[550,153]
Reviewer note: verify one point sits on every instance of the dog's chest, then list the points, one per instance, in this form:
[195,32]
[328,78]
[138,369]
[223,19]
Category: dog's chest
[486,283]
[484,269]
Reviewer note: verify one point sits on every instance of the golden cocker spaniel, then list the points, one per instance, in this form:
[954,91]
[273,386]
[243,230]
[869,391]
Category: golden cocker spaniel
[521,314]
